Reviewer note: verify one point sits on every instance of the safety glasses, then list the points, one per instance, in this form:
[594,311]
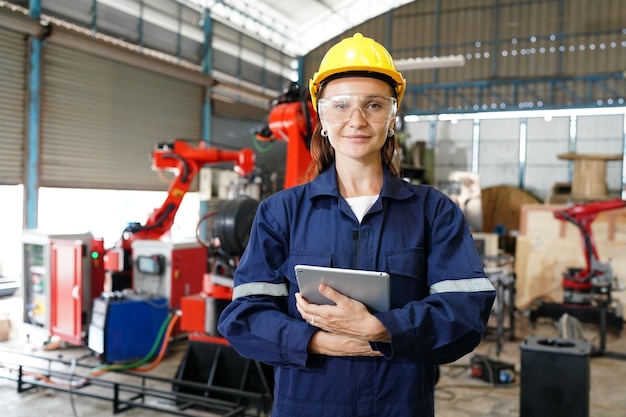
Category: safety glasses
[340,108]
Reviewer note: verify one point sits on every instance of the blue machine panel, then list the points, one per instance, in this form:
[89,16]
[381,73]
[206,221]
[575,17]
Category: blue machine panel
[125,329]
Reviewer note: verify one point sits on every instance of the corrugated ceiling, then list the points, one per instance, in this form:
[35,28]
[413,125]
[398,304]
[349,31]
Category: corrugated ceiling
[295,26]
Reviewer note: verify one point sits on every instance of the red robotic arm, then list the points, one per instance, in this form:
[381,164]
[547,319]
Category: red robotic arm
[582,215]
[186,162]
[291,119]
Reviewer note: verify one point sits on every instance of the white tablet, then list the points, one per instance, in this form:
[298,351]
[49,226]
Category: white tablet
[369,287]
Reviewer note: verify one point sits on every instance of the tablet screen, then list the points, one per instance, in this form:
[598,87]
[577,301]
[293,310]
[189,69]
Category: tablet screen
[369,287]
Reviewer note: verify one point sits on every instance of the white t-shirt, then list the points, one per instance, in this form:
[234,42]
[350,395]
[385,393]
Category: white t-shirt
[361,205]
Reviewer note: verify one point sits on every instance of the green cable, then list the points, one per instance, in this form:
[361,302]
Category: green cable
[146,358]
[262,149]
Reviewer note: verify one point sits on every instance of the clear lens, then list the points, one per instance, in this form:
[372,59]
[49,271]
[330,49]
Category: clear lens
[340,108]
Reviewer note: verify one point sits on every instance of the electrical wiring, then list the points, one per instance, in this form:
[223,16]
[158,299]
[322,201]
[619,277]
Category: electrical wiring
[99,370]
[162,339]
[164,345]
[72,372]
[54,343]
[48,380]
[259,147]
[203,219]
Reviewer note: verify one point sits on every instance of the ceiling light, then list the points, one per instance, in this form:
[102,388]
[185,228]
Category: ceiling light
[430,62]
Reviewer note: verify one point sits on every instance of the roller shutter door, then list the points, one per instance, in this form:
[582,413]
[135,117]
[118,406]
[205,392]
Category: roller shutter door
[12,106]
[102,118]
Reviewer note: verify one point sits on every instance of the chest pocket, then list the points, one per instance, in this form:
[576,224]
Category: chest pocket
[407,268]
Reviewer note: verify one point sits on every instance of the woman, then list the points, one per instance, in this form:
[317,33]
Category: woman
[342,360]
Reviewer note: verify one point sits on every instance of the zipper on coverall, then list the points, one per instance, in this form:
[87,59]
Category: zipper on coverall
[355,237]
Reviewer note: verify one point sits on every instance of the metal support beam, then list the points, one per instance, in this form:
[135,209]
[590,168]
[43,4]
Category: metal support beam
[207,69]
[573,130]
[31,189]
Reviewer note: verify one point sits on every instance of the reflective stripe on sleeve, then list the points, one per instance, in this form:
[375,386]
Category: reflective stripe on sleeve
[462,285]
[260,288]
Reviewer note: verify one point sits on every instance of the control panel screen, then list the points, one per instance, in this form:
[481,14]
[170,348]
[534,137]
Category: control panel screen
[153,265]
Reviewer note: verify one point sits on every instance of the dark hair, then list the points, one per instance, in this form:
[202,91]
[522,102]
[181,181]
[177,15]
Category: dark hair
[323,154]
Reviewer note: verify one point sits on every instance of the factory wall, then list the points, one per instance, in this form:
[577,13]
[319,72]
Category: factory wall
[523,151]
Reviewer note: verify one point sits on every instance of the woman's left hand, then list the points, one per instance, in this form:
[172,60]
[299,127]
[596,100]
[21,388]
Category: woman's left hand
[348,317]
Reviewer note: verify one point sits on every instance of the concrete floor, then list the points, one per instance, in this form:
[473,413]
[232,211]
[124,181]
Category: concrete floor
[458,393]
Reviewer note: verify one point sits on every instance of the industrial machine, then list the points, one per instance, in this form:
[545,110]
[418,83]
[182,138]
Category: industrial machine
[594,281]
[171,269]
[140,260]
[587,291]
[124,326]
[65,273]
[292,119]
[62,275]
[154,268]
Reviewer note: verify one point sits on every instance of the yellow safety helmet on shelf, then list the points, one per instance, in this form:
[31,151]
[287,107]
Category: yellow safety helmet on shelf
[357,54]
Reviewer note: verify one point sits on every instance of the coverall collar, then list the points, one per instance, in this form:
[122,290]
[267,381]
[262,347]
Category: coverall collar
[326,184]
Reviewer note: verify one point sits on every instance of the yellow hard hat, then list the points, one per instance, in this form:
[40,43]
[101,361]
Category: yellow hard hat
[357,54]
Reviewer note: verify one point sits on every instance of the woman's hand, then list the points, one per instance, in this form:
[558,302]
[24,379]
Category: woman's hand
[348,317]
[332,344]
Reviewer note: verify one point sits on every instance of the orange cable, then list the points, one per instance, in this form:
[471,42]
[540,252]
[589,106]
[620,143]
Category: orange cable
[157,361]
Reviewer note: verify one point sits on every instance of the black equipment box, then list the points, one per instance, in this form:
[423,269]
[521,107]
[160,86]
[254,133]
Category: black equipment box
[555,377]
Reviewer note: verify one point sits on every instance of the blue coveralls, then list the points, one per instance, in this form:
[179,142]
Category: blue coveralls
[440,296]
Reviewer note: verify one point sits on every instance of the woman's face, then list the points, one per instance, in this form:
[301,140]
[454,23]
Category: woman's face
[357,113]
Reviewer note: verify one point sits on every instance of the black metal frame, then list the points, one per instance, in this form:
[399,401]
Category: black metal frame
[137,392]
